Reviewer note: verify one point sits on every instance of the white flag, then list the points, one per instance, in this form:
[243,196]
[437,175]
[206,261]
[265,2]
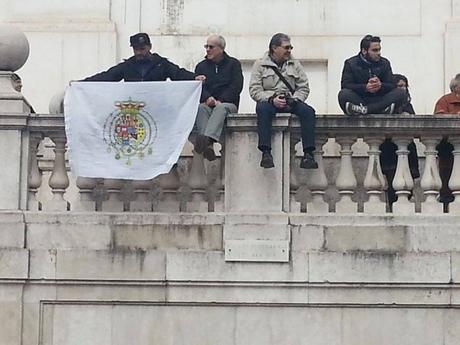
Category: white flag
[128,130]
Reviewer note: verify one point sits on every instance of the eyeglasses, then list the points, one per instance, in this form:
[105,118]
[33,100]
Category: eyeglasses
[208,46]
[289,47]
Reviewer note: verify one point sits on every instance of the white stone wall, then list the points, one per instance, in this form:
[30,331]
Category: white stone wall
[71,40]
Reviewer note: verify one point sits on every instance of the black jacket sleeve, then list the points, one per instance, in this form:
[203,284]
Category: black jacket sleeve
[233,91]
[175,72]
[116,73]
[205,94]
[387,79]
[348,80]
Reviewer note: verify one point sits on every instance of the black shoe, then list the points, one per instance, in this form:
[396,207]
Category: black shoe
[355,109]
[308,161]
[209,153]
[201,142]
[389,110]
[267,160]
[446,198]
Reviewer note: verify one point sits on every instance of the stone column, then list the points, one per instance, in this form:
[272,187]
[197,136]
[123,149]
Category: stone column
[35,176]
[248,187]
[14,110]
[374,181]
[59,180]
[431,181]
[454,182]
[197,182]
[317,180]
[346,180]
[403,182]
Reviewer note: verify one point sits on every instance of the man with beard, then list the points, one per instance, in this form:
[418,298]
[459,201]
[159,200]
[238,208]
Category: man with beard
[144,65]
[367,82]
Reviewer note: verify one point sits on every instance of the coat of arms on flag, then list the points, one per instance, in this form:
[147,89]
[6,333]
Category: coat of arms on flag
[132,130]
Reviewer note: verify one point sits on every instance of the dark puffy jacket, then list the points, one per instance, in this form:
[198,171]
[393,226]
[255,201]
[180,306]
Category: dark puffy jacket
[356,72]
[155,68]
[224,80]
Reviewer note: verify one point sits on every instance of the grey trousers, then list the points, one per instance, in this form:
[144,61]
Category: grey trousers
[210,121]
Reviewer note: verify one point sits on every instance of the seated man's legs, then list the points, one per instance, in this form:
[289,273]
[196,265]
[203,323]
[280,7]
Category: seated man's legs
[379,104]
[265,113]
[307,119]
[209,125]
[347,95]
[216,122]
[201,122]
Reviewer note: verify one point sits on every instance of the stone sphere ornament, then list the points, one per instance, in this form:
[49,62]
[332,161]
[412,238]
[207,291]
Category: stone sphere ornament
[14,48]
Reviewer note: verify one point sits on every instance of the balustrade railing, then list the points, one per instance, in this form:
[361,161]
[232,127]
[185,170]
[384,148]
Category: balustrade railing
[349,180]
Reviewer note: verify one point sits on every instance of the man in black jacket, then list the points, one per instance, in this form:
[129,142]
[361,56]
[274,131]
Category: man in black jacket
[220,96]
[144,66]
[367,82]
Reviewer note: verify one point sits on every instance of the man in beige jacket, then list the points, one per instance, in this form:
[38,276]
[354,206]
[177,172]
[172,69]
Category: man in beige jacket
[279,85]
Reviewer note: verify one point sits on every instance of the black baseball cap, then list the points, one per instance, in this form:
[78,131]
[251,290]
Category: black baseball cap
[139,40]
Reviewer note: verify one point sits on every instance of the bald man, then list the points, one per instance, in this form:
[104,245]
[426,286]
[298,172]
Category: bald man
[220,96]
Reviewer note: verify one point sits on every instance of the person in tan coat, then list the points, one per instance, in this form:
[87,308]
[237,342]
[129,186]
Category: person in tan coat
[279,85]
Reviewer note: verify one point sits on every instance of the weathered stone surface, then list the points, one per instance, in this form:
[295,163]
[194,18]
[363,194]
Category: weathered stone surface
[307,238]
[12,230]
[379,267]
[69,236]
[365,238]
[110,265]
[14,263]
[43,264]
[10,313]
[210,266]
[161,236]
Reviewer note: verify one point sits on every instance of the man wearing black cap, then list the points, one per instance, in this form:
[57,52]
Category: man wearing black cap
[144,66]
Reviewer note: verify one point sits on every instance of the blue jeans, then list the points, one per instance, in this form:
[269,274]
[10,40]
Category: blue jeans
[266,113]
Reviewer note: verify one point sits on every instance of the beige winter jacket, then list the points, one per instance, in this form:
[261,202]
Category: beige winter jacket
[265,83]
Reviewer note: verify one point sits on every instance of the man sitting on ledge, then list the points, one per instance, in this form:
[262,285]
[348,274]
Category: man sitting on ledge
[220,96]
[279,85]
[367,82]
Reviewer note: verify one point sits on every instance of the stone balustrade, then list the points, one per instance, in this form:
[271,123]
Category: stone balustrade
[349,178]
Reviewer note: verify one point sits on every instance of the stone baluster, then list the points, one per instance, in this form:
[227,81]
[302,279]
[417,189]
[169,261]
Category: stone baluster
[113,188]
[169,186]
[403,182]
[374,181]
[431,181]
[59,180]
[214,184]
[184,191]
[127,194]
[346,181]
[87,201]
[35,176]
[317,181]
[143,196]
[197,182]
[156,194]
[454,182]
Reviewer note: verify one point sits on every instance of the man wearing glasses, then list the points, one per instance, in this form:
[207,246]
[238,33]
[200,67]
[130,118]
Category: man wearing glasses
[220,96]
[367,82]
[279,85]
